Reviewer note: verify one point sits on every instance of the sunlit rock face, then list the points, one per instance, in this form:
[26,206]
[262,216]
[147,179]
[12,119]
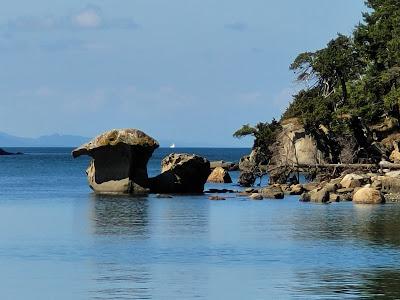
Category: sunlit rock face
[181,173]
[120,158]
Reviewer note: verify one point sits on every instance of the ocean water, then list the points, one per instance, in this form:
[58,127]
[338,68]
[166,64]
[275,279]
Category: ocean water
[58,240]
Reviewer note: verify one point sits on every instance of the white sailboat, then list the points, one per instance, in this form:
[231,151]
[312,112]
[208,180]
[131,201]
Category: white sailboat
[172,146]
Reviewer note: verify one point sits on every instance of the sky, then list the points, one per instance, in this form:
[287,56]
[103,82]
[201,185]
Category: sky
[186,71]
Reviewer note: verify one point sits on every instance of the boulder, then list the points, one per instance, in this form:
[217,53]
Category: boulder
[247,179]
[119,163]
[272,192]
[256,196]
[376,184]
[219,175]
[296,189]
[352,181]
[316,195]
[368,196]
[390,184]
[334,197]
[332,187]
[345,190]
[395,156]
[393,174]
[181,173]
[310,186]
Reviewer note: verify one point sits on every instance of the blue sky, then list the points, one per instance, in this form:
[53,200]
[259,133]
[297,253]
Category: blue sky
[187,71]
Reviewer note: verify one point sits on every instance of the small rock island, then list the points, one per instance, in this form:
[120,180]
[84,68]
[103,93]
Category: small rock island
[119,165]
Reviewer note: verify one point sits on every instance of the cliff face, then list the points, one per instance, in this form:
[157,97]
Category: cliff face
[294,146]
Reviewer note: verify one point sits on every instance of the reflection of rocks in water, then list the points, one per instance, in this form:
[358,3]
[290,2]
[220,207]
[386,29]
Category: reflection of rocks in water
[339,284]
[380,284]
[113,214]
[115,281]
[379,224]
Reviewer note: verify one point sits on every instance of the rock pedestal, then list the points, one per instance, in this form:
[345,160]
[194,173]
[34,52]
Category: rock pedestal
[119,162]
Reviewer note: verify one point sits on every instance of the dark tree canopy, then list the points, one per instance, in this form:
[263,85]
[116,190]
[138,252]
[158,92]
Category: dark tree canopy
[354,77]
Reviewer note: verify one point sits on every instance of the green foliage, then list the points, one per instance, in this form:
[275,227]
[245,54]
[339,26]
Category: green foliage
[264,136]
[245,131]
[357,75]
[351,83]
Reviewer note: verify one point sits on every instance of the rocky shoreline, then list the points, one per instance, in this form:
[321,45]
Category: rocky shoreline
[119,165]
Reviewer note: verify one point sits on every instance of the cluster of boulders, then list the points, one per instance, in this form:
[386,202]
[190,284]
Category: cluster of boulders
[119,165]
[370,188]
[367,188]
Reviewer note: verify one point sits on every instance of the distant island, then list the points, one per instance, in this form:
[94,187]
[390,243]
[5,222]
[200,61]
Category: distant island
[54,140]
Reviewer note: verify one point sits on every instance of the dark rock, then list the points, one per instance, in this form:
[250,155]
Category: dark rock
[247,179]
[272,192]
[296,189]
[181,173]
[3,152]
[316,195]
[219,191]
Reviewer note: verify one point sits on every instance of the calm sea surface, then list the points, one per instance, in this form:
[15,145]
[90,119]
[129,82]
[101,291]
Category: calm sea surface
[60,241]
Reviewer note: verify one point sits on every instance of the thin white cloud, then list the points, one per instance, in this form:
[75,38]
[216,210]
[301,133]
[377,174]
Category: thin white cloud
[89,18]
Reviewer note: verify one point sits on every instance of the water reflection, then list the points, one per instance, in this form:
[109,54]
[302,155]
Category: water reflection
[378,225]
[115,281]
[120,225]
[380,284]
[120,215]
[339,284]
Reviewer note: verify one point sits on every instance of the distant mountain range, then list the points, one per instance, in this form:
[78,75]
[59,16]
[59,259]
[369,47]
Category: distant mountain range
[54,140]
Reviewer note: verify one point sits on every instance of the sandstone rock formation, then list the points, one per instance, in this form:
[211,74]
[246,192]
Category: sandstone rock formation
[319,195]
[368,195]
[248,162]
[247,179]
[219,175]
[294,146]
[119,162]
[181,173]
[272,192]
[353,181]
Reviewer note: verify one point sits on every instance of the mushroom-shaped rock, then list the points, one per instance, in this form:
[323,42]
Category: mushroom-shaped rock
[181,173]
[119,162]
[219,175]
